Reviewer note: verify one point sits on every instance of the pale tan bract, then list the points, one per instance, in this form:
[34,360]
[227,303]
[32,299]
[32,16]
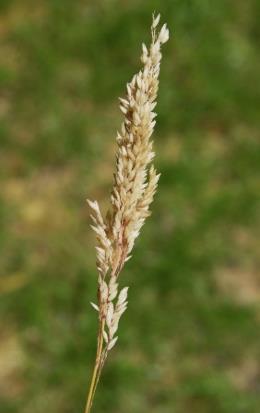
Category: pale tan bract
[135,183]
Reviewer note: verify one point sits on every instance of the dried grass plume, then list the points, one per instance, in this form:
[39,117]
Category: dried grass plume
[135,183]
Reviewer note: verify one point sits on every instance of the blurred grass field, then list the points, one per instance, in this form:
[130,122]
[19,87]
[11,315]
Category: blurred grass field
[190,339]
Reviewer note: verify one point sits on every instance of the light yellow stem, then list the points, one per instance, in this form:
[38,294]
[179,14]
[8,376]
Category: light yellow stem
[96,372]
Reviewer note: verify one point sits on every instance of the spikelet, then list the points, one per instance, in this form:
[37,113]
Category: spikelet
[135,183]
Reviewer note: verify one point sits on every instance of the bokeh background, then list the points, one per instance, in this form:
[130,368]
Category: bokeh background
[190,339]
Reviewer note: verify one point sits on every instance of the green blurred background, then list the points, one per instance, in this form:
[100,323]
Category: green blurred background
[189,341]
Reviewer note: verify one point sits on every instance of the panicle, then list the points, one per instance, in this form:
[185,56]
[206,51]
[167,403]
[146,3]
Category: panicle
[135,183]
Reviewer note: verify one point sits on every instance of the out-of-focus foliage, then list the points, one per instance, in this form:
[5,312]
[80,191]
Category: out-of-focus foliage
[190,339]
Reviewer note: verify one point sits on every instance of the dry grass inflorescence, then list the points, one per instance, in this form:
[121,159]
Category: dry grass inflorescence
[135,183]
